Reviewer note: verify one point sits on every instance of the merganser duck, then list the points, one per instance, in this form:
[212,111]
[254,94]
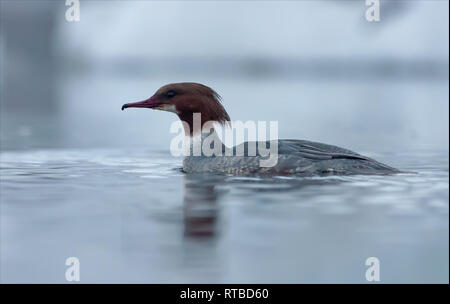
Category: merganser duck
[299,157]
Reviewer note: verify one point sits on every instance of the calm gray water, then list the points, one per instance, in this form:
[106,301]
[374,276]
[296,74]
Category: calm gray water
[132,216]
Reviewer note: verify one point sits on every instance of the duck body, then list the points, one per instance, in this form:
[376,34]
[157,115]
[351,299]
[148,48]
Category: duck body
[299,157]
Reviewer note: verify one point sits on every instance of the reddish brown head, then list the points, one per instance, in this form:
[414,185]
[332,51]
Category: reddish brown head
[185,99]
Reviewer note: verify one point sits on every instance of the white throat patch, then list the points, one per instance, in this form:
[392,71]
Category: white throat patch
[168,108]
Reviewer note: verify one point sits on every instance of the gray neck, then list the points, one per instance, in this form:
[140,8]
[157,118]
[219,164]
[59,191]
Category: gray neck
[202,144]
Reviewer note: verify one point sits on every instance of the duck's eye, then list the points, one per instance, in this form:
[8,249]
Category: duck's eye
[170,94]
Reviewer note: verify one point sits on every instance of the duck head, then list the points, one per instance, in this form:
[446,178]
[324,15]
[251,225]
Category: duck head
[185,99]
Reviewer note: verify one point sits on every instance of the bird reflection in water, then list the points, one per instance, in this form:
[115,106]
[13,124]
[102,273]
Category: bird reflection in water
[201,209]
[202,193]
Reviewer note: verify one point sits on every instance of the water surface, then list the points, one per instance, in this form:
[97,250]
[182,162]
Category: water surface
[133,216]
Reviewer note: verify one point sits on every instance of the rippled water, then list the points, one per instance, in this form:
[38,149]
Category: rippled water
[133,216]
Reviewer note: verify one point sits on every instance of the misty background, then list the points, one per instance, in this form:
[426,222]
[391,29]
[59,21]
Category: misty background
[317,67]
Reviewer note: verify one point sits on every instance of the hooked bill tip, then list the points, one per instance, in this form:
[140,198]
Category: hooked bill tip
[124,106]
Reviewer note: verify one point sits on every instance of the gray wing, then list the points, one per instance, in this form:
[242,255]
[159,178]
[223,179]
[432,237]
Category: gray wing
[316,151]
[301,148]
[303,153]
[301,157]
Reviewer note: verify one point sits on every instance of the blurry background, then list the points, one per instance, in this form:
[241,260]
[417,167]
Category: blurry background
[318,67]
